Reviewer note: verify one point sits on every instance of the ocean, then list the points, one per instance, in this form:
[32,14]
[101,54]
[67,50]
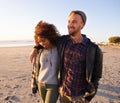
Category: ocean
[15,43]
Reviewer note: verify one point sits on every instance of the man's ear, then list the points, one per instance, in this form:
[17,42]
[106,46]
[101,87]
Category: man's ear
[82,25]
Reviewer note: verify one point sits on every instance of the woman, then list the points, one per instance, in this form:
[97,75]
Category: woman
[46,66]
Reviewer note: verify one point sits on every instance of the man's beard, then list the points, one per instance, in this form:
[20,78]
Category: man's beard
[72,33]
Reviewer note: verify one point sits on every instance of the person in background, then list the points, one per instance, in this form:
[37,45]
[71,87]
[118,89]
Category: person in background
[80,62]
[45,71]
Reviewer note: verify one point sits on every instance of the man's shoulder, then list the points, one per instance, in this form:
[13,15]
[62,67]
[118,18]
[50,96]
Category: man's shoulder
[92,45]
[95,47]
[64,37]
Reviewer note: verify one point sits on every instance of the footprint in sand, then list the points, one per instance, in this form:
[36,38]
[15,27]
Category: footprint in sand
[13,98]
[1,94]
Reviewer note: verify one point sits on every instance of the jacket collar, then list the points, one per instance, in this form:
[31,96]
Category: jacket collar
[84,41]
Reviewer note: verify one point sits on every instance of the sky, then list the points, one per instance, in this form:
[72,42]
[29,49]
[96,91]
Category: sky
[18,18]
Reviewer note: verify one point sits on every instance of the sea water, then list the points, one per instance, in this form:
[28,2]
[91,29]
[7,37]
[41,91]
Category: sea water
[17,43]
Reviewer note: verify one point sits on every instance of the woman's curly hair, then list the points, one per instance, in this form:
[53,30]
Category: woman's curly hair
[47,30]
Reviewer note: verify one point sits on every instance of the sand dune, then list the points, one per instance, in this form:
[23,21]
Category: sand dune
[15,76]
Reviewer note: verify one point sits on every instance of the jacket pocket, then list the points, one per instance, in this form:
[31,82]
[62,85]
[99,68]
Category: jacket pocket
[90,91]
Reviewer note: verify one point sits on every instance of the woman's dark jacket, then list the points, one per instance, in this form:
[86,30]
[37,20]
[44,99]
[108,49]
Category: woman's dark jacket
[94,59]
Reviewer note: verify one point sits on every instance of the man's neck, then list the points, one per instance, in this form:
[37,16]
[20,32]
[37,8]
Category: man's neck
[77,38]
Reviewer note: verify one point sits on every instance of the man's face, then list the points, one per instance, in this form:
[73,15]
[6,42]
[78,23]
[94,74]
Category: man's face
[75,24]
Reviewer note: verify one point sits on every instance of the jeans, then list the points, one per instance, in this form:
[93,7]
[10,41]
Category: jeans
[48,92]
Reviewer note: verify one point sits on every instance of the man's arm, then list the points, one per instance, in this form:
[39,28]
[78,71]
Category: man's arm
[33,55]
[34,51]
[97,72]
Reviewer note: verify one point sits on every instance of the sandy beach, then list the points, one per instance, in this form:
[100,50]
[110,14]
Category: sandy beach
[15,76]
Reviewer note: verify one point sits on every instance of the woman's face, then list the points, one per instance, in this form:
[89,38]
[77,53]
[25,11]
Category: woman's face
[44,42]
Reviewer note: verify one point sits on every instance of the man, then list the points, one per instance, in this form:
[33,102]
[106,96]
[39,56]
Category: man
[80,63]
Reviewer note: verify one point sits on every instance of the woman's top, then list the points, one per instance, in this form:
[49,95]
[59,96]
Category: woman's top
[48,72]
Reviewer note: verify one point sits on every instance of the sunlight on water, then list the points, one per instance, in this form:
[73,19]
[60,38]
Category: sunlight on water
[16,43]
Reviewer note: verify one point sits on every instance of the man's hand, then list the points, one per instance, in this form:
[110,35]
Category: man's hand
[33,56]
